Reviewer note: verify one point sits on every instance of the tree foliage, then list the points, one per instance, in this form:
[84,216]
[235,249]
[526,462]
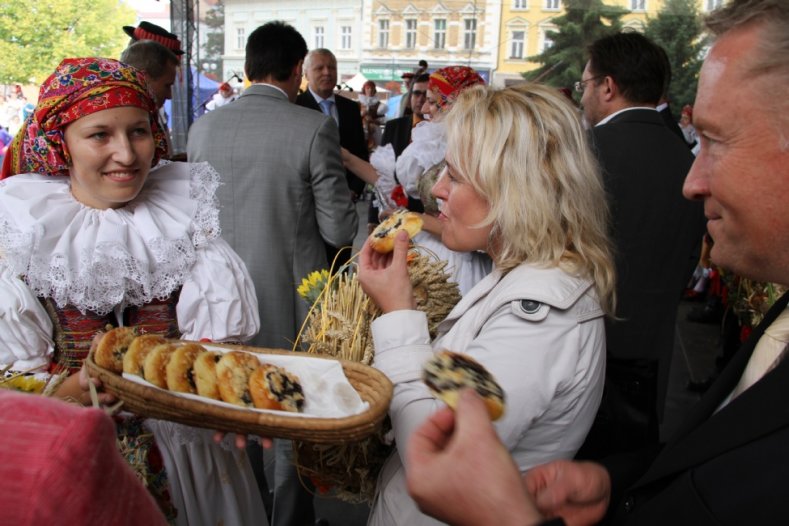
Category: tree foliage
[35,35]
[677,27]
[214,46]
[583,22]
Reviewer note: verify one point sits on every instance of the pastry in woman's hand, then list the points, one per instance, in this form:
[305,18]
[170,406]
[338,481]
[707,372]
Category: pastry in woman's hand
[382,238]
[273,387]
[112,348]
[448,373]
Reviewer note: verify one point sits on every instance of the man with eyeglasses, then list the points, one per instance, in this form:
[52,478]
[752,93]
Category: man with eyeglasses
[654,230]
[397,132]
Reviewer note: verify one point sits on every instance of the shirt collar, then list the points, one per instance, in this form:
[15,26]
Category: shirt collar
[320,99]
[605,121]
[271,86]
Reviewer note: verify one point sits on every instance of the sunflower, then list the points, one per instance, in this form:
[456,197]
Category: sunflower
[312,286]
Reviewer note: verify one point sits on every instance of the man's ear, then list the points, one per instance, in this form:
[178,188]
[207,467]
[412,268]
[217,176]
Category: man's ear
[611,90]
[298,69]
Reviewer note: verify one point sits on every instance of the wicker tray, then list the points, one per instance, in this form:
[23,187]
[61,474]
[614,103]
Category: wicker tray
[372,385]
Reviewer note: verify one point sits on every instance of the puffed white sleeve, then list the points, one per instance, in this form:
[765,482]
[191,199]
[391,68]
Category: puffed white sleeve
[25,328]
[427,148]
[383,160]
[218,301]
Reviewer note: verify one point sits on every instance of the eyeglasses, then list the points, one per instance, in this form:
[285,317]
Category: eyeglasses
[581,84]
[418,93]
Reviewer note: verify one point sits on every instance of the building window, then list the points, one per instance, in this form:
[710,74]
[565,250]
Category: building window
[319,40]
[410,33]
[638,5]
[553,5]
[516,45]
[241,38]
[345,37]
[547,42]
[383,34]
[440,33]
[469,33]
[520,4]
[711,5]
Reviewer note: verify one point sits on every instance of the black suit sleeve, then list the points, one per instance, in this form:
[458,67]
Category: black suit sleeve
[625,469]
[398,133]
[351,131]
[352,137]
[389,132]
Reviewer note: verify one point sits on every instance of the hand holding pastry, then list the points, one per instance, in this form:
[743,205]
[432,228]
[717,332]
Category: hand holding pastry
[384,277]
[77,386]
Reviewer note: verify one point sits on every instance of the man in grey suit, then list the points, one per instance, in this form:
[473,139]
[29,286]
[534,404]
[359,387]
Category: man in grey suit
[283,194]
[283,190]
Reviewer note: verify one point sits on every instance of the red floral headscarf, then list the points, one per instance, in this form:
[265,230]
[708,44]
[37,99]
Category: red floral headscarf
[78,87]
[447,83]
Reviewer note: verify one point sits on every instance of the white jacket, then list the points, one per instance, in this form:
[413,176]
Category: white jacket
[538,331]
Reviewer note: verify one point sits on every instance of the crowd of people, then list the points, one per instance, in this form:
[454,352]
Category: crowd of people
[572,236]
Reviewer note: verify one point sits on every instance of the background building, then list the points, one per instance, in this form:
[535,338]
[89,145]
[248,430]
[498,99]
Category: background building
[399,33]
[336,25]
[525,23]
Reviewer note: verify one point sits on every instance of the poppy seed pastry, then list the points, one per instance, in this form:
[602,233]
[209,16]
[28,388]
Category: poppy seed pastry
[232,376]
[273,387]
[179,373]
[382,238]
[112,348]
[448,373]
[204,374]
[140,347]
[155,364]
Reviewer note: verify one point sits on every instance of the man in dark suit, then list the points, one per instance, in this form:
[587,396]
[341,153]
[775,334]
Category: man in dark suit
[727,463]
[397,132]
[663,107]
[320,69]
[655,232]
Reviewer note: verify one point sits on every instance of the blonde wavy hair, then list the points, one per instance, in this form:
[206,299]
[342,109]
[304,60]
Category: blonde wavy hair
[525,151]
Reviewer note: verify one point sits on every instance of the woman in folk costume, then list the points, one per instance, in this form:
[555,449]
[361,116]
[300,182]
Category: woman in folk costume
[417,168]
[521,183]
[94,231]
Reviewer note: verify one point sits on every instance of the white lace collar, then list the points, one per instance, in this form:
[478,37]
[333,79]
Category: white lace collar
[98,259]
[429,131]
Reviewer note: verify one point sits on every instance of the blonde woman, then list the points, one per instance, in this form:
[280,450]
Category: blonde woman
[522,185]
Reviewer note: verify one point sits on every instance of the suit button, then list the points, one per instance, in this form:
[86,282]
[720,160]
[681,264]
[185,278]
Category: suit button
[630,503]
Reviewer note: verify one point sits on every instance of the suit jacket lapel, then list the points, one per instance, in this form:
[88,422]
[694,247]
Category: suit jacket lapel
[309,101]
[342,116]
[704,435]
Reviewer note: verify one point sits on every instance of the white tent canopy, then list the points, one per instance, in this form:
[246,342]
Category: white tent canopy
[358,80]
